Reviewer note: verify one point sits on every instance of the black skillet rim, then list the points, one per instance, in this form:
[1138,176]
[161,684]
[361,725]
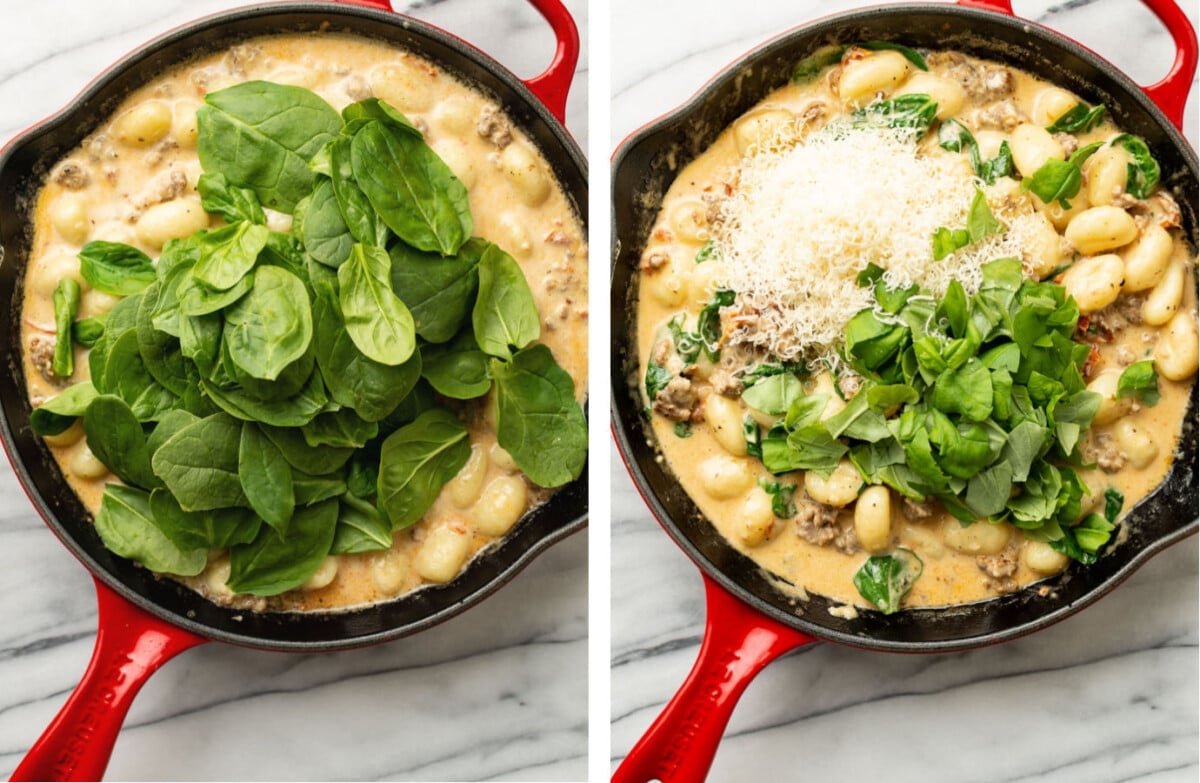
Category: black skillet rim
[926,630]
[565,513]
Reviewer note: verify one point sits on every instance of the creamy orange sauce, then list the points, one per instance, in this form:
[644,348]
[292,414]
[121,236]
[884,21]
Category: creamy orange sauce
[515,202]
[672,283]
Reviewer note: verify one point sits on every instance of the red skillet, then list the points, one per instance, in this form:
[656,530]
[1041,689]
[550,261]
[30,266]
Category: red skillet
[143,621]
[749,622]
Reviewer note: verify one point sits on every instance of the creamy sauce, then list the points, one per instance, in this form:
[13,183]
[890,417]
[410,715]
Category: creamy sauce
[672,283]
[105,189]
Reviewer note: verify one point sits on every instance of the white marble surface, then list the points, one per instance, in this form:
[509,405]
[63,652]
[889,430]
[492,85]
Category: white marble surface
[497,693]
[1108,695]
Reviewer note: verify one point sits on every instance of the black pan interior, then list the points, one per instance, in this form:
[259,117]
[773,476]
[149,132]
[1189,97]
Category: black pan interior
[643,170]
[25,162]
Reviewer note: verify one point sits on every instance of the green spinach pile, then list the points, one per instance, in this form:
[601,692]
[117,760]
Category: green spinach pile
[291,395]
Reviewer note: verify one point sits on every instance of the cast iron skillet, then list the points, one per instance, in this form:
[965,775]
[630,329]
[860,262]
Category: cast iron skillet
[145,621]
[750,620]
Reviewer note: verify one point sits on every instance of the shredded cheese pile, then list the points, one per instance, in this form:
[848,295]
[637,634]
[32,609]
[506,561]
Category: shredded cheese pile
[808,215]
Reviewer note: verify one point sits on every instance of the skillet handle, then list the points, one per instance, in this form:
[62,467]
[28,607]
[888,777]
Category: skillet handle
[551,85]
[1169,93]
[738,642]
[130,646]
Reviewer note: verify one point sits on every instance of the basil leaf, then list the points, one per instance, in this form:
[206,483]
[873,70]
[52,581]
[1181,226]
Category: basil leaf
[538,420]
[127,527]
[272,564]
[505,316]
[114,268]
[414,193]
[1139,380]
[415,462]
[1056,180]
[261,136]
[884,580]
[199,464]
[1143,172]
[271,326]
[376,319]
[266,478]
[66,305]
[229,201]
[1080,118]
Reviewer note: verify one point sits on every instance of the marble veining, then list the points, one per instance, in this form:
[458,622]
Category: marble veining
[1110,694]
[497,693]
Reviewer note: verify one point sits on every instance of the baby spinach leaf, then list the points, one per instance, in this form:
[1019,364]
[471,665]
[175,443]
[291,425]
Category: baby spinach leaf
[1143,172]
[708,323]
[127,527]
[273,563]
[228,253]
[1080,118]
[414,192]
[270,327]
[57,414]
[505,317]
[171,422]
[980,224]
[360,528]
[810,67]
[912,55]
[266,478]
[262,135]
[115,436]
[295,411]
[66,305]
[376,319]
[1139,380]
[457,369]
[160,351]
[313,460]
[371,388]
[781,494]
[914,113]
[415,462]
[229,201]
[196,298]
[657,378]
[88,331]
[321,227]
[114,268]
[362,112]
[362,477]
[538,420]
[884,580]
[341,428]
[314,489]
[774,394]
[708,252]
[199,464]
[224,527]
[439,292]
[357,213]
[126,376]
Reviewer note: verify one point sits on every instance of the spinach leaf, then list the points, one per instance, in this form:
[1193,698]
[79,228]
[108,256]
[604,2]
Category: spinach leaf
[357,213]
[88,331]
[114,268]
[657,378]
[362,477]
[126,376]
[196,298]
[457,369]
[774,394]
[1060,179]
[360,528]
[505,317]
[171,422]
[273,563]
[321,228]
[411,188]
[229,201]
[295,411]
[313,460]
[159,350]
[1080,118]
[1143,172]
[1139,380]
[708,252]
[364,111]
[1083,541]
[66,305]
[126,525]
[227,254]
[415,462]
[912,55]
[810,67]
[216,528]
[981,223]
[121,319]
[314,489]
[271,326]
[538,420]
[341,429]
[884,580]
[57,414]
[708,323]
[376,319]
[115,436]
[781,494]
[914,113]
[266,478]
[199,464]
[439,292]
[262,135]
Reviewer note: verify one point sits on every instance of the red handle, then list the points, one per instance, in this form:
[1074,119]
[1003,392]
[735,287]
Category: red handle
[738,642]
[552,85]
[1169,93]
[130,646]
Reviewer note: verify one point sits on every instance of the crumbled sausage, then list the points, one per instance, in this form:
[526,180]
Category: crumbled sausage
[848,384]
[41,353]
[677,400]
[493,126]
[1160,208]
[1104,451]
[72,176]
[655,261]
[725,382]
[816,522]
[1067,141]
[1003,115]
[1000,569]
[916,510]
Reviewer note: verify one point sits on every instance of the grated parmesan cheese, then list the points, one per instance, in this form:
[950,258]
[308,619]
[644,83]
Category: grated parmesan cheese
[809,214]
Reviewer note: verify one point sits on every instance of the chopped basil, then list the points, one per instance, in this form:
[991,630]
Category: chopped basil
[1139,380]
[1081,118]
[953,136]
[781,497]
[708,252]
[980,223]
[1143,172]
[884,580]
[915,112]
[810,67]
